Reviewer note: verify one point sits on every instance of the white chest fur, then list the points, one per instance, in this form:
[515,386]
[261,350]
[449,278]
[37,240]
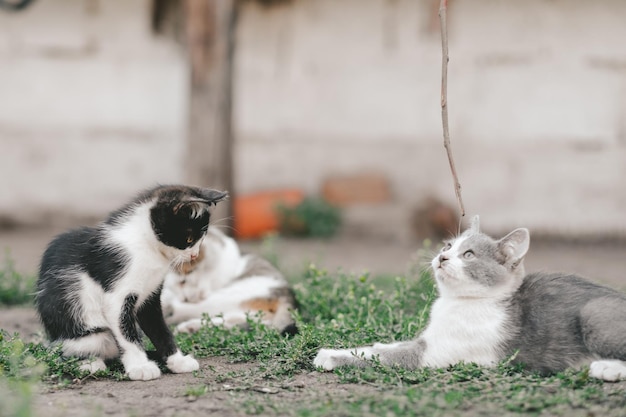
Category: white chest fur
[148,264]
[468,330]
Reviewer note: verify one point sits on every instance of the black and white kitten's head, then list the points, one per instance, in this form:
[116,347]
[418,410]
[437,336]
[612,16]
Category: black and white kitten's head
[178,216]
[474,265]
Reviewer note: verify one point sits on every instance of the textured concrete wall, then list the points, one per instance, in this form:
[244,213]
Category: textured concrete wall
[93,106]
[537,101]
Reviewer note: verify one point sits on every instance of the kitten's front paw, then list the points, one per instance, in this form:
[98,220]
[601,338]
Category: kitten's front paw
[144,372]
[329,359]
[608,370]
[167,309]
[189,326]
[179,363]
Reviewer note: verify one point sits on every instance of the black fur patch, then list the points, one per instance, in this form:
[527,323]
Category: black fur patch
[128,322]
[68,256]
[176,227]
[172,222]
[290,330]
[150,317]
[105,263]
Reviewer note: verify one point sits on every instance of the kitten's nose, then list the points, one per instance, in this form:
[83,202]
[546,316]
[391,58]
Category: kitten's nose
[194,256]
[442,259]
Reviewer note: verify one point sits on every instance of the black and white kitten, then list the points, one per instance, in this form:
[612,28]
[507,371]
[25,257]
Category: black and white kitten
[96,284]
[489,310]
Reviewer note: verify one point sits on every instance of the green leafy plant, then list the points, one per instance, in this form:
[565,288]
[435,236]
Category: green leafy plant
[22,367]
[19,360]
[15,288]
[313,217]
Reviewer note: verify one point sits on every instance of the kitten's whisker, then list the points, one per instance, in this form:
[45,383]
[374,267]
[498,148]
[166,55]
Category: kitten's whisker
[177,262]
[217,224]
[224,226]
[453,234]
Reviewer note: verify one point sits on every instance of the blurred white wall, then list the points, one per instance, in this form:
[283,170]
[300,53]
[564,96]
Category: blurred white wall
[537,102]
[93,106]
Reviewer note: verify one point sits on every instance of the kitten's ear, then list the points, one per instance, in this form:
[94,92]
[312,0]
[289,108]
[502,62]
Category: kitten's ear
[213,196]
[515,245]
[475,224]
[207,197]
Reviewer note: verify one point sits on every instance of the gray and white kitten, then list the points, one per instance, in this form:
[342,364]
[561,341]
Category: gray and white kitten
[100,287]
[488,310]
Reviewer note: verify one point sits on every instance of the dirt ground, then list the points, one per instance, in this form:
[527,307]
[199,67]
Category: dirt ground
[228,396]
[167,396]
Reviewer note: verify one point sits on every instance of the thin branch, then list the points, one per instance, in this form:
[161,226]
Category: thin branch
[443,8]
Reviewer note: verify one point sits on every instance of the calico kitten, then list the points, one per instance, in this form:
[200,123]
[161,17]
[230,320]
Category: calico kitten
[489,310]
[97,283]
[227,286]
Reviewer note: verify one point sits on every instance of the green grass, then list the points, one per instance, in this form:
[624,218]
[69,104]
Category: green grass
[341,311]
[15,288]
[338,311]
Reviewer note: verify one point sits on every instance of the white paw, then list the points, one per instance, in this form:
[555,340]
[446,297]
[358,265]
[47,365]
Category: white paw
[179,363]
[608,370]
[189,326]
[218,321]
[144,372]
[168,310]
[92,365]
[329,359]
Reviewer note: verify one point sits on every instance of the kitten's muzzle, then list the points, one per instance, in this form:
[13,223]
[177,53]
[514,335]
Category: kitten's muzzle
[442,259]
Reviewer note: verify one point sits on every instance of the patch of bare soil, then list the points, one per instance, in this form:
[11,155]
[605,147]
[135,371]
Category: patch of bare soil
[219,388]
[169,396]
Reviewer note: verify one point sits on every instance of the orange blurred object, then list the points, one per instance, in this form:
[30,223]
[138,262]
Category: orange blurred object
[256,214]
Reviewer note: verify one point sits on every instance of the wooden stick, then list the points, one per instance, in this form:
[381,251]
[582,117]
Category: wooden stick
[443,7]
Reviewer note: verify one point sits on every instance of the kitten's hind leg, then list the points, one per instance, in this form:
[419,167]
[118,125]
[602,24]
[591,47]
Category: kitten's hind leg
[608,370]
[95,347]
[603,325]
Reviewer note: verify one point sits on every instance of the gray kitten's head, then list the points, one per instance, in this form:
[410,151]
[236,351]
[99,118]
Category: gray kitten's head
[475,265]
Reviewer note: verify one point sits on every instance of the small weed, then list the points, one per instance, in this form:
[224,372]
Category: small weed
[15,288]
[20,361]
[313,217]
[196,391]
[268,249]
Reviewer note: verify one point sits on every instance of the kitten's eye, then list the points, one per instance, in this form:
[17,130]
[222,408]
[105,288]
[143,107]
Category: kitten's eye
[468,254]
[189,239]
[447,247]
